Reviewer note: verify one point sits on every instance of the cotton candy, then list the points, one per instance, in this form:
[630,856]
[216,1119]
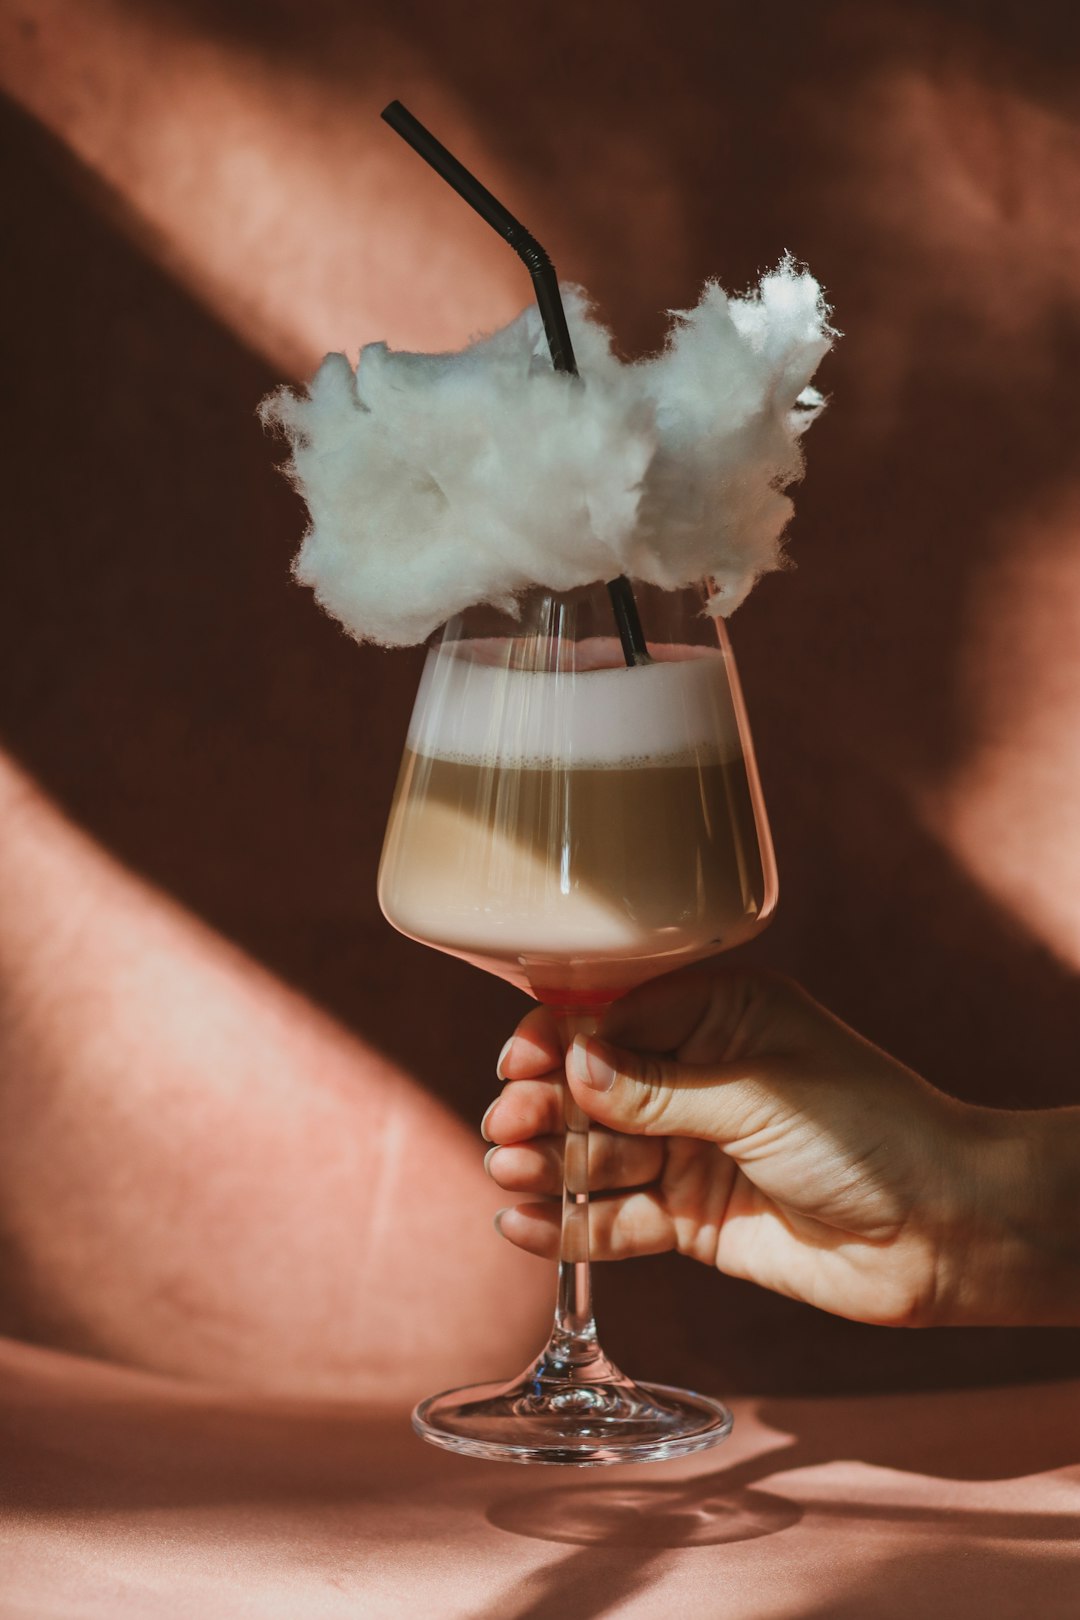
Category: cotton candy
[434,482]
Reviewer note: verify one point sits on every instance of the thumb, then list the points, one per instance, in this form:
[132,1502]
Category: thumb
[645,1095]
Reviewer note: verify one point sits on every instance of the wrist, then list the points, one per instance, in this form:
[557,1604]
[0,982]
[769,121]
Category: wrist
[1015,1239]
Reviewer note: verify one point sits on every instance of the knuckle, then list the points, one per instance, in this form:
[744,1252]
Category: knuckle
[745,1004]
[651,1094]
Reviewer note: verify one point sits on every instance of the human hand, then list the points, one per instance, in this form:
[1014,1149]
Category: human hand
[741,1124]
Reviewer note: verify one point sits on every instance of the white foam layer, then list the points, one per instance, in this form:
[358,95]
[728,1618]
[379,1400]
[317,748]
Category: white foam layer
[657,714]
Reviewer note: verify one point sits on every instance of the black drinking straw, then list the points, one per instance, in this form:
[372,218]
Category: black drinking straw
[548,298]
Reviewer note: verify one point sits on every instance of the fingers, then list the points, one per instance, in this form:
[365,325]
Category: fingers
[711,1014]
[533,1049]
[615,1163]
[644,1095]
[620,1227]
[697,1053]
[531,1064]
[526,1108]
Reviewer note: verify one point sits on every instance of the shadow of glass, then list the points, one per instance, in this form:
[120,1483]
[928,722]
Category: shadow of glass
[627,1528]
[695,1514]
[734,1504]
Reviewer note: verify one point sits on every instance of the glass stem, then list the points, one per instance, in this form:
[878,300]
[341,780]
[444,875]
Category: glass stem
[573,1351]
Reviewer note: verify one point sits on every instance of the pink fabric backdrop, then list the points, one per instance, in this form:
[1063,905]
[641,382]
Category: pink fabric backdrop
[202,201]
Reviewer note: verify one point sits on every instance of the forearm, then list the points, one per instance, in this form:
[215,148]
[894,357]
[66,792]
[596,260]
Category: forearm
[1017,1247]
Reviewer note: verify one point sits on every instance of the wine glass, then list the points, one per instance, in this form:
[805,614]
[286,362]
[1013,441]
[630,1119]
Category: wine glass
[577,827]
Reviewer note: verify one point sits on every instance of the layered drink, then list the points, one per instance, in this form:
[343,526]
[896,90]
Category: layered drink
[576,830]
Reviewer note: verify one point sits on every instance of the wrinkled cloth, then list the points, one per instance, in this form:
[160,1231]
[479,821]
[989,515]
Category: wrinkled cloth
[132,1497]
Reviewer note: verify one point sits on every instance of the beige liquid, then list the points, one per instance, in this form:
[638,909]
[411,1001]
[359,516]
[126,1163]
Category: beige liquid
[574,883]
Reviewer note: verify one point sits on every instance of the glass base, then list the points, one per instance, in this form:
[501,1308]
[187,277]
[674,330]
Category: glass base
[570,1422]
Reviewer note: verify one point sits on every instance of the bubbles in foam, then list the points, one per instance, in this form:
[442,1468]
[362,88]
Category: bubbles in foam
[605,718]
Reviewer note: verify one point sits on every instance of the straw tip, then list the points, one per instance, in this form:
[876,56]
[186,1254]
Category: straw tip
[392,111]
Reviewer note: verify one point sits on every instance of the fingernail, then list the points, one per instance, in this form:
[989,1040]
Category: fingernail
[503,1055]
[496,1220]
[487,1116]
[487,1159]
[591,1064]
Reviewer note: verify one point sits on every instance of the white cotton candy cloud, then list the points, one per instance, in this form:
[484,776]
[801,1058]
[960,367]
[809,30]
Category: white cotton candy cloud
[435,482]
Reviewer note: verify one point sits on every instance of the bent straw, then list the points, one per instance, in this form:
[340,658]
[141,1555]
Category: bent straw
[548,298]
